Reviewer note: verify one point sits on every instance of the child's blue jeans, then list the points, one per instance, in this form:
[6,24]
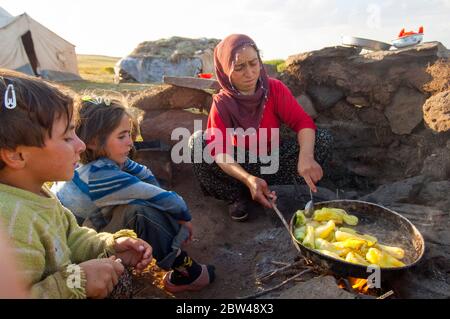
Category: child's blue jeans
[159,229]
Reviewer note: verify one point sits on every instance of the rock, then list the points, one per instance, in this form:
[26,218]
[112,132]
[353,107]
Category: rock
[401,192]
[355,134]
[440,77]
[316,288]
[437,165]
[358,101]
[192,82]
[307,105]
[392,88]
[151,69]
[159,163]
[405,112]
[344,111]
[429,279]
[372,116]
[348,195]
[437,112]
[176,56]
[362,169]
[164,97]
[324,96]
[161,127]
[434,192]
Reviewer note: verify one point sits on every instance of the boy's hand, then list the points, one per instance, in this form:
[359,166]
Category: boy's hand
[101,276]
[190,228]
[134,252]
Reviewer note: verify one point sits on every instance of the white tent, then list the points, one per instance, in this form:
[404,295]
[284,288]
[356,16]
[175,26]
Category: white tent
[29,47]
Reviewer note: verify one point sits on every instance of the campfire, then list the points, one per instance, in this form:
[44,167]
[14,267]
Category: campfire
[362,288]
[298,270]
[357,284]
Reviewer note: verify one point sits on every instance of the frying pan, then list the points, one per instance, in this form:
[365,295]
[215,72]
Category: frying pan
[389,227]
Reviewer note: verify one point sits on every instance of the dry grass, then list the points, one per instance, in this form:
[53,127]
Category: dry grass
[97,72]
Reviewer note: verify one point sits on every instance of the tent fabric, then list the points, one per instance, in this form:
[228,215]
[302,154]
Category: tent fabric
[5,17]
[56,58]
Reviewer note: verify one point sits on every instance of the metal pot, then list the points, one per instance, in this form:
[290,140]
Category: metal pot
[388,226]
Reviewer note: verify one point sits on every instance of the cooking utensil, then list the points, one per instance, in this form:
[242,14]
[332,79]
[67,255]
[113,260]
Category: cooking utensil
[309,207]
[365,43]
[283,220]
[388,226]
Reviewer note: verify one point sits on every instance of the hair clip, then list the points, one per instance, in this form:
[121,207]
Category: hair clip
[10,102]
[96,100]
[86,98]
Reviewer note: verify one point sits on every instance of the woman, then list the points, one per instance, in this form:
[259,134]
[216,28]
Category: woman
[257,104]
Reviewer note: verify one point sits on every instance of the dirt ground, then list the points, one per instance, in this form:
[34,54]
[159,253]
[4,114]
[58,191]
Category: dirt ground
[239,251]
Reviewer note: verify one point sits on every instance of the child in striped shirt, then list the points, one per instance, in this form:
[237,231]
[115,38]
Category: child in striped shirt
[109,191]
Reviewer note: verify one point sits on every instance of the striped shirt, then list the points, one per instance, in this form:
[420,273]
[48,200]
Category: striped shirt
[102,184]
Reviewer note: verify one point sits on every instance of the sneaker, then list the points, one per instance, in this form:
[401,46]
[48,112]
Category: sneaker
[206,277]
[238,210]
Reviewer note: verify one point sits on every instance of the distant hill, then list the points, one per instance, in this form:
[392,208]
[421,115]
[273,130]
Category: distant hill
[98,68]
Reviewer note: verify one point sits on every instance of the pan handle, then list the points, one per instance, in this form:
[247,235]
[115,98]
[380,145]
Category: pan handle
[283,220]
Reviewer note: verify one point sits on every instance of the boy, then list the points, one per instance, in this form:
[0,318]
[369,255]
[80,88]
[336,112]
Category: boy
[38,144]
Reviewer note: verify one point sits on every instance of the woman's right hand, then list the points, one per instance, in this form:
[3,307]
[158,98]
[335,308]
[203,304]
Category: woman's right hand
[260,191]
[101,276]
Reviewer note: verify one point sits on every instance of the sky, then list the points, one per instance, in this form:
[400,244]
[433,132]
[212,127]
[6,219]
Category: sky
[280,28]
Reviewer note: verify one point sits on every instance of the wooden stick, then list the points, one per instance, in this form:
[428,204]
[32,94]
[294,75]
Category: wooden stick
[271,273]
[279,263]
[277,286]
[388,294]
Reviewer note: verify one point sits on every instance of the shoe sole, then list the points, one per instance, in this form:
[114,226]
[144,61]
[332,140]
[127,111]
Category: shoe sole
[197,285]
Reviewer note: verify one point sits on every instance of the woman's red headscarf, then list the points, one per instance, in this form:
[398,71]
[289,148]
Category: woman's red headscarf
[235,109]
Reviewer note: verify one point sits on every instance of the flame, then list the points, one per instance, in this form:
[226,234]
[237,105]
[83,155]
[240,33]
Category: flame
[358,284]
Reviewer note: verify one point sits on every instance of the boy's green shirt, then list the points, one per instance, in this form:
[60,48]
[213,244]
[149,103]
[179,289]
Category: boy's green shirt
[48,240]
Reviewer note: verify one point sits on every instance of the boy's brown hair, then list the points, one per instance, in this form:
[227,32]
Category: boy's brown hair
[98,117]
[38,105]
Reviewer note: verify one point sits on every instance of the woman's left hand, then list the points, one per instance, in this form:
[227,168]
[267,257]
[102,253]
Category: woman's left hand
[190,228]
[133,252]
[310,170]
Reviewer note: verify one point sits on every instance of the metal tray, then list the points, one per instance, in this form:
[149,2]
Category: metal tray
[365,43]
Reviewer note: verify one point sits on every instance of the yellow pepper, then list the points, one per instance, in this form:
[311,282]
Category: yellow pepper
[395,252]
[300,218]
[324,231]
[341,236]
[309,238]
[354,258]
[322,244]
[335,214]
[382,259]
[326,214]
[352,243]
[348,230]
[300,233]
